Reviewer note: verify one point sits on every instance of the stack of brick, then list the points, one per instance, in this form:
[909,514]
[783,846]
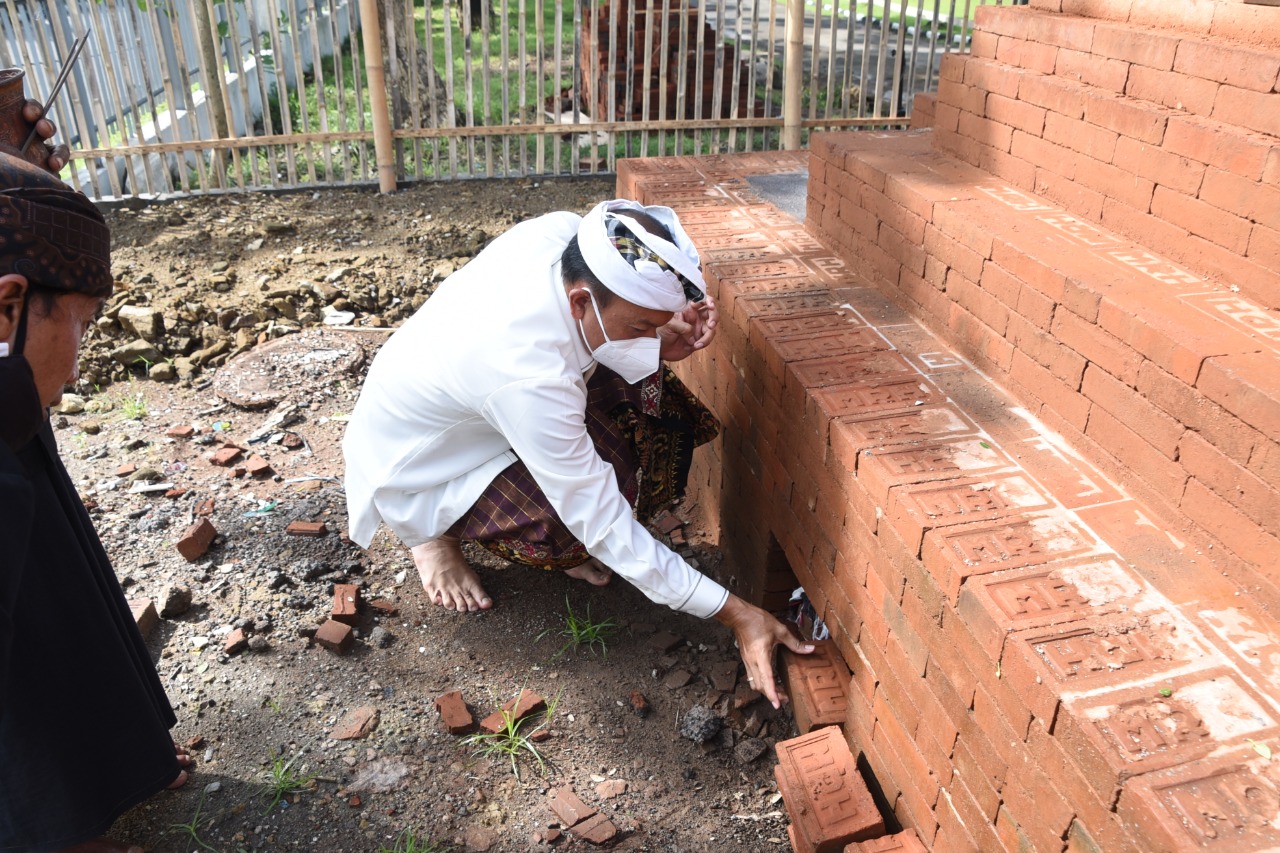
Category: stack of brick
[647,63]
[1035,663]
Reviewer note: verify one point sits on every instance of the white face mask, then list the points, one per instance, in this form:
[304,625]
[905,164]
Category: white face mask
[633,359]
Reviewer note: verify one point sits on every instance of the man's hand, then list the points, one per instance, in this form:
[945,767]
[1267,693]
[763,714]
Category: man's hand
[60,155]
[757,634]
[689,331]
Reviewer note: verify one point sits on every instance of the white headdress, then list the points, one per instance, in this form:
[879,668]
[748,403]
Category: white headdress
[655,272]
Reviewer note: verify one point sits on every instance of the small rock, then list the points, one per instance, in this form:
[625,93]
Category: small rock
[213,787]
[700,724]
[677,678]
[610,788]
[72,404]
[380,637]
[162,371]
[749,749]
[174,601]
[135,352]
[258,644]
[639,704]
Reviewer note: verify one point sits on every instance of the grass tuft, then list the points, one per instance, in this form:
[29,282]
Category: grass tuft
[512,741]
[582,631]
[283,779]
[409,841]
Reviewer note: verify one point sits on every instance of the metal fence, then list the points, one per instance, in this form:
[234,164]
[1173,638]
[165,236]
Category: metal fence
[182,96]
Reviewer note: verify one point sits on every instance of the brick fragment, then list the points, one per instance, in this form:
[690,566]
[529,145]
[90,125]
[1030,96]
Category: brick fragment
[181,431]
[236,642]
[384,607]
[817,684]
[901,842]
[525,703]
[336,637]
[307,528]
[346,601]
[144,615]
[455,714]
[826,797]
[256,466]
[226,455]
[356,723]
[568,808]
[596,829]
[639,704]
[196,540]
[126,469]
[206,506]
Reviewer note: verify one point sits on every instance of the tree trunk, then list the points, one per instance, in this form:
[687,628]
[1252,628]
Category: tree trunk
[432,112]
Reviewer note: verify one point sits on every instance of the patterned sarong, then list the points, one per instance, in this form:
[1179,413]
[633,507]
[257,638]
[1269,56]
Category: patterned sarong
[646,431]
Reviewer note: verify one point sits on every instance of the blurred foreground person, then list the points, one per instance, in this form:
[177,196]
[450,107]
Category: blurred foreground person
[84,721]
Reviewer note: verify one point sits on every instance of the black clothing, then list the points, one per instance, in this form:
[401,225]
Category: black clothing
[83,717]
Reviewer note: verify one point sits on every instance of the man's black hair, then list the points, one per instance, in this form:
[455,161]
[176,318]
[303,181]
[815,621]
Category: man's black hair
[574,270]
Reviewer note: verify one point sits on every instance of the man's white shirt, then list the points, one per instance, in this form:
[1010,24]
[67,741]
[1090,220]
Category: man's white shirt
[489,370]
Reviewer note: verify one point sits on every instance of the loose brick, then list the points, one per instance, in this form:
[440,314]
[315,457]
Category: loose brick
[826,797]
[313,529]
[144,615]
[346,603]
[596,829]
[256,466]
[568,808]
[226,455]
[356,723]
[336,637]
[195,541]
[817,685]
[181,431]
[454,713]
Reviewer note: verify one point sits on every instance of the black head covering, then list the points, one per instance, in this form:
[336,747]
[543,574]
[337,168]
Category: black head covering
[50,233]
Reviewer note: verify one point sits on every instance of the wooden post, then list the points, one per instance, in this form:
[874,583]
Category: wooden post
[793,74]
[371,30]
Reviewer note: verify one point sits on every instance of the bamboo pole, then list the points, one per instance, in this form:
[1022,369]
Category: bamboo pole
[282,89]
[371,30]
[793,72]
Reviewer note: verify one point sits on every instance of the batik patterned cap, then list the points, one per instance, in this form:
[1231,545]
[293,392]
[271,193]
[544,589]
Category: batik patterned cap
[51,234]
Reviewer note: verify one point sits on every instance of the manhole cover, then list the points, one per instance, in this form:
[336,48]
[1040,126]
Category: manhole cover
[297,363]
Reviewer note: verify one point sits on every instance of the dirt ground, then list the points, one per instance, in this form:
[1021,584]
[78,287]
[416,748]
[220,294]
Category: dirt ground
[206,280]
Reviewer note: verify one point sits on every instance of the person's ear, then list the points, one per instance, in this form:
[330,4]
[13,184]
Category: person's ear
[579,302]
[13,293]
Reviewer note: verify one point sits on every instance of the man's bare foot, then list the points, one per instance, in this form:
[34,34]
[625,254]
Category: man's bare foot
[447,578]
[592,571]
[102,845]
[184,760]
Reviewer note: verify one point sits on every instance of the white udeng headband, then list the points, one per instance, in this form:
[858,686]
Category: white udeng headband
[646,284]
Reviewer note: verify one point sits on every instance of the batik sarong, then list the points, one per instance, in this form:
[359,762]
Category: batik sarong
[646,431]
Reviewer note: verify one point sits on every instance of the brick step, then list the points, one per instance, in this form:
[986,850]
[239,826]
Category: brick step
[1037,656]
[1202,75]
[1201,191]
[1175,395]
[1225,19]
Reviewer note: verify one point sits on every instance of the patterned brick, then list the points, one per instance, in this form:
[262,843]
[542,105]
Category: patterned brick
[955,553]
[915,510]
[826,797]
[882,469]
[1126,732]
[817,684]
[1226,804]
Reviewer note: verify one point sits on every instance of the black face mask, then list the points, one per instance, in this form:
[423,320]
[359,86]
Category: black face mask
[21,414]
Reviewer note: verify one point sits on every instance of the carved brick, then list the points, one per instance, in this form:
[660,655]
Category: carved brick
[817,684]
[826,797]
[1122,733]
[831,343]
[885,468]
[1223,805]
[994,605]
[852,434]
[857,369]
[916,509]
[953,554]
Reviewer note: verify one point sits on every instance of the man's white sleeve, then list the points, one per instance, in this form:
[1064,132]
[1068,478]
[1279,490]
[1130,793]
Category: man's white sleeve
[544,423]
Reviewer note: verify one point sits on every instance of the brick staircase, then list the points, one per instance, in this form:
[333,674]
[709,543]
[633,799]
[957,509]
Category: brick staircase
[1017,432]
